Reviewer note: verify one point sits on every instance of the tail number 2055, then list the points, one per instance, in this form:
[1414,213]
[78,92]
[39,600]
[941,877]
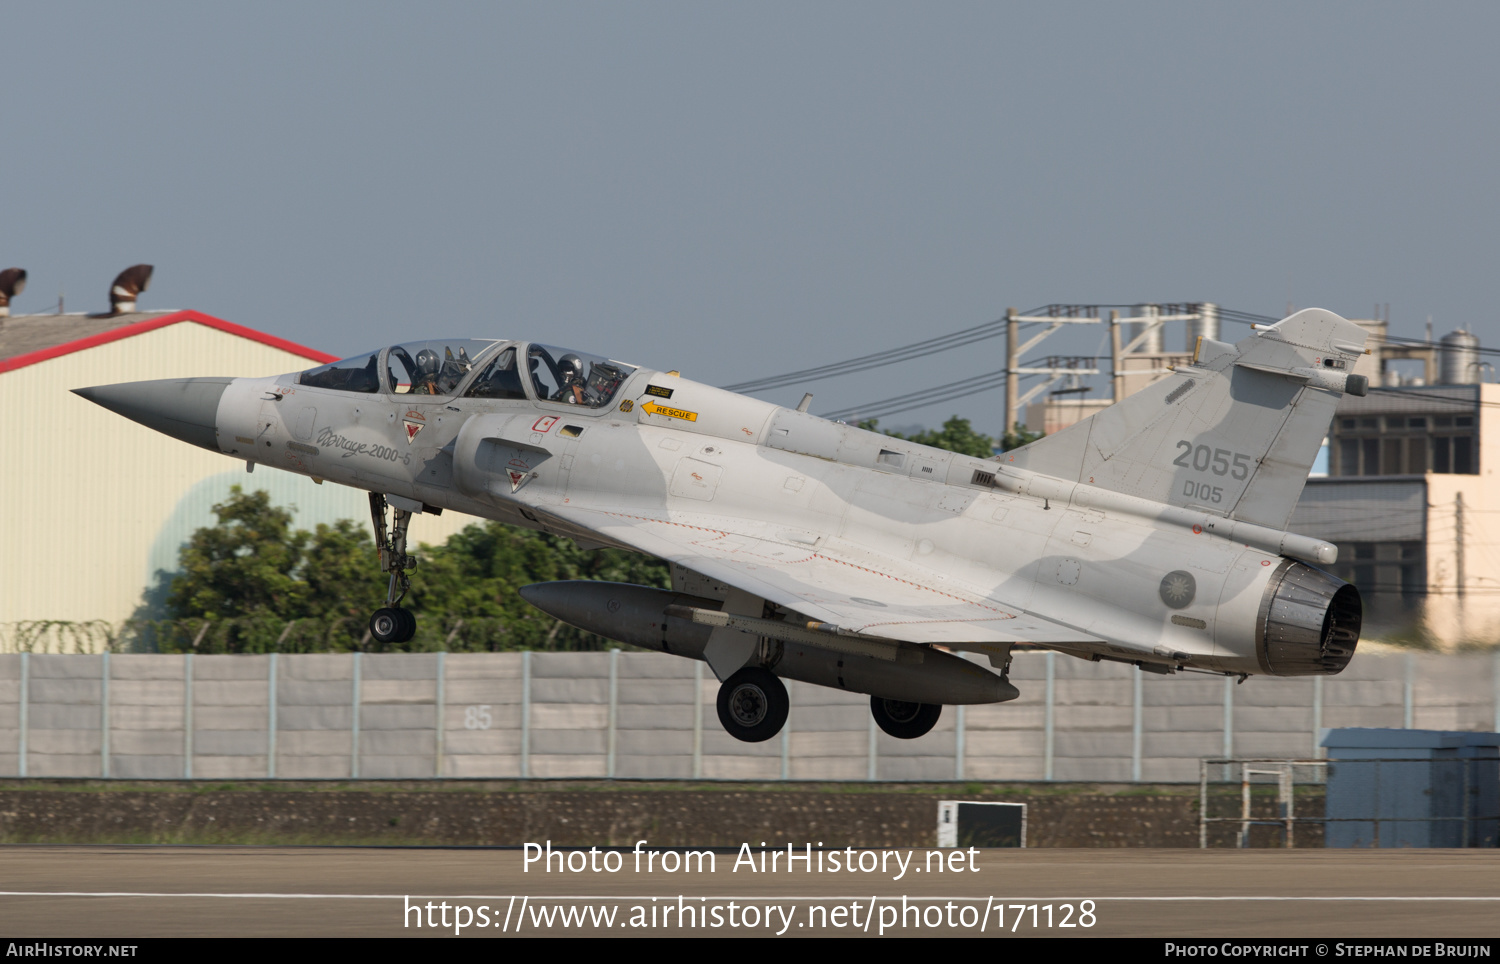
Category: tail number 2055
[1221,462]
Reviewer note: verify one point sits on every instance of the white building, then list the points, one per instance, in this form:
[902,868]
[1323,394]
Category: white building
[97,505]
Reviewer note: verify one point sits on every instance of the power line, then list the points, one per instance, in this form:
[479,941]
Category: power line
[926,396]
[920,349]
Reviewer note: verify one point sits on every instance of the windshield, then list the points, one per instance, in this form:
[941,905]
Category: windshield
[574,378]
[432,367]
[354,374]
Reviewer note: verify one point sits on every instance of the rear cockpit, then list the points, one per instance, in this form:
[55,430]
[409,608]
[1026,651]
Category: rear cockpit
[574,378]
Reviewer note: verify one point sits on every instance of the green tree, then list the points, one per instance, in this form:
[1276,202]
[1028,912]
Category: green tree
[252,574]
[246,565]
[956,435]
[342,572]
[1018,436]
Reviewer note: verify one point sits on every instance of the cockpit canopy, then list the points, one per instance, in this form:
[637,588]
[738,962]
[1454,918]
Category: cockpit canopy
[432,367]
[417,368]
[440,367]
[574,378]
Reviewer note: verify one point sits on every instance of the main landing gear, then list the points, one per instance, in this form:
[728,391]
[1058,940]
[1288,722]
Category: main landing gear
[392,624]
[753,707]
[753,704]
[903,720]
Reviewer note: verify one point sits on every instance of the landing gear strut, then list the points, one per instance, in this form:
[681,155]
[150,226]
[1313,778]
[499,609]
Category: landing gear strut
[392,624]
[753,705]
[903,720]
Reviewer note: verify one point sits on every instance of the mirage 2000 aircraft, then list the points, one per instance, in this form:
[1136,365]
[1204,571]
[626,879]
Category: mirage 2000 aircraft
[1153,533]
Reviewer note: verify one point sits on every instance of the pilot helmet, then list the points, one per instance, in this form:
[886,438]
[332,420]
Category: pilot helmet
[570,368]
[427,362]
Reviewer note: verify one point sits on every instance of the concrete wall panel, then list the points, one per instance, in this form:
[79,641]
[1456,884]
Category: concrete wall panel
[374,743]
[564,767]
[313,767]
[225,692]
[398,691]
[314,717]
[741,768]
[159,767]
[469,767]
[827,768]
[231,717]
[167,716]
[397,717]
[661,716]
[227,743]
[146,692]
[569,716]
[235,767]
[482,742]
[827,737]
[494,691]
[145,743]
[310,743]
[242,668]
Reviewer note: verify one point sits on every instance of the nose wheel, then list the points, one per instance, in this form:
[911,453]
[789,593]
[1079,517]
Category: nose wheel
[753,705]
[392,624]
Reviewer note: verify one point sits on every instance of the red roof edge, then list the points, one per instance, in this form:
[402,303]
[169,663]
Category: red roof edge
[151,324]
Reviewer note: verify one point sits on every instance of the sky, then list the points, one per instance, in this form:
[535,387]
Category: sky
[737,190]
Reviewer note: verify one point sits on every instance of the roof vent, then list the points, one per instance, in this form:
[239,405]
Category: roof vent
[130,283]
[12,283]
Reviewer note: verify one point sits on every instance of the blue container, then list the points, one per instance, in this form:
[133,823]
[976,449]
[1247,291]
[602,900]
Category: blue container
[1412,788]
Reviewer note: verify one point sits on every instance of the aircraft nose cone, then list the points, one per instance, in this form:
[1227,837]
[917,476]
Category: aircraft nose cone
[184,408]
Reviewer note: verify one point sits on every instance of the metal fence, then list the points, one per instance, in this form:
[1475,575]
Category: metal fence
[652,716]
[1370,802]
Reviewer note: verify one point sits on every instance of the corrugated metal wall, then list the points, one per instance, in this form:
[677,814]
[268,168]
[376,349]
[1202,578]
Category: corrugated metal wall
[95,503]
[1349,510]
[635,715]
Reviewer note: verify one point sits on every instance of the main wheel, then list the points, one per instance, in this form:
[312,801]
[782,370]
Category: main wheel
[753,705]
[393,625]
[903,720]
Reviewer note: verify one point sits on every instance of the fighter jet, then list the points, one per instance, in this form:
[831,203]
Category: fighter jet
[1153,533]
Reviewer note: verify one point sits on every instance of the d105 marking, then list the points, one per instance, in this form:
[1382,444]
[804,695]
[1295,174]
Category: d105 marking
[1202,491]
[1217,461]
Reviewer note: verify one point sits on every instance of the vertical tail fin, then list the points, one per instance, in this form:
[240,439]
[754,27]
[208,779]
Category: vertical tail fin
[1235,433]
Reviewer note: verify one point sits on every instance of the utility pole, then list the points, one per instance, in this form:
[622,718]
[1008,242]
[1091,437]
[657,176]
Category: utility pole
[1012,362]
[1458,549]
[1057,367]
[1117,375]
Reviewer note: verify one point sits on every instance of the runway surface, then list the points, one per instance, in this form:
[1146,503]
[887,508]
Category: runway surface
[120,892]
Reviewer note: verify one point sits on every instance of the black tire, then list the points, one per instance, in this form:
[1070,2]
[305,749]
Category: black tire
[409,625]
[903,720]
[753,705]
[389,626]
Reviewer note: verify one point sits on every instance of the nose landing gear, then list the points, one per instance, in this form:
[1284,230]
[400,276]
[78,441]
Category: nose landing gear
[392,624]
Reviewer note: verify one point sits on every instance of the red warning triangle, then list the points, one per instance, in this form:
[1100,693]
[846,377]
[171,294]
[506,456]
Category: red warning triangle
[412,428]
